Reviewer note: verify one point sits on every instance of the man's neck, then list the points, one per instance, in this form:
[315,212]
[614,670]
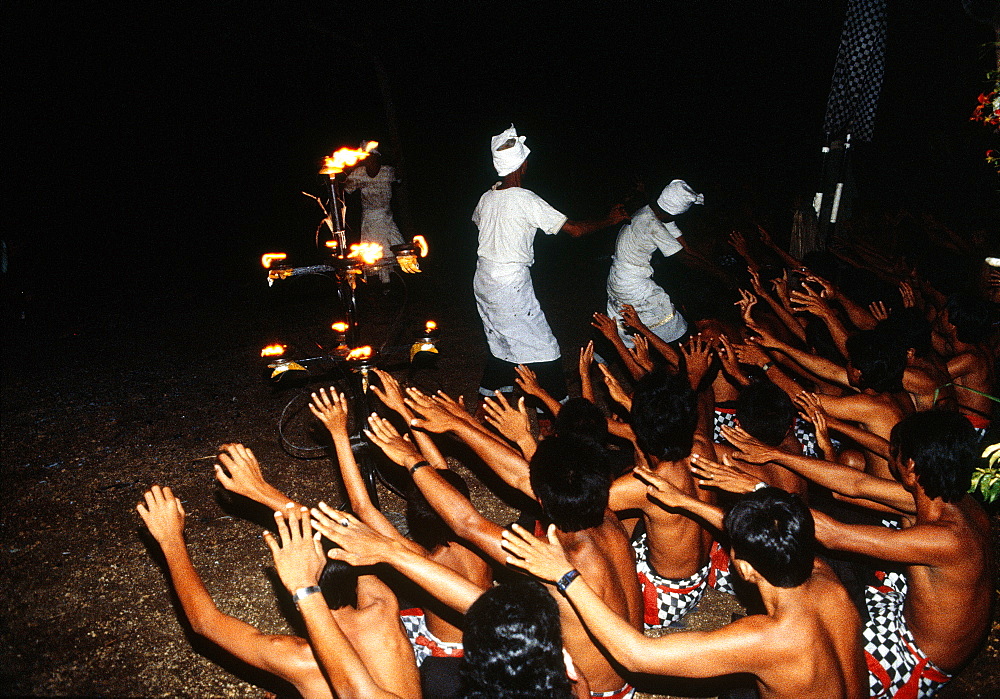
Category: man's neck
[511,180]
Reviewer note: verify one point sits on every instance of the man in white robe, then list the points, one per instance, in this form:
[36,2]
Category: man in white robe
[631,278]
[375,180]
[507,217]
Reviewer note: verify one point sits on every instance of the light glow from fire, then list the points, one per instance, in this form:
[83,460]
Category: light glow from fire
[273,351]
[360,353]
[430,326]
[270,258]
[339,326]
[421,242]
[369,253]
[346,157]
[332,244]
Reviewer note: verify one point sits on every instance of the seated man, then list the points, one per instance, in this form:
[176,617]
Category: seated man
[926,623]
[571,485]
[807,644]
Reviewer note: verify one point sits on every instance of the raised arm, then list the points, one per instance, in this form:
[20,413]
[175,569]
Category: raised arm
[298,559]
[665,349]
[665,492]
[239,472]
[585,363]
[513,423]
[332,410]
[816,365]
[361,546]
[581,228]
[836,477]
[925,544]
[528,382]
[287,657]
[687,654]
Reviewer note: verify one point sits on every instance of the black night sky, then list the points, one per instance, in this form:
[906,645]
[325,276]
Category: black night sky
[154,136]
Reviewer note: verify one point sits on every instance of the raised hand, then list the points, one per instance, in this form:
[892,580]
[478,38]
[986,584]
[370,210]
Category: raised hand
[512,423]
[751,353]
[585,362]
[827,290]
[298,557]
[439,415]
[640,352]
[631,317]
[751,450]
[697,357]
[360,545]
[527,381]
[878,310]
[725,476]
[390,394]
[765,237]
[659,488]
[605,325]
[906,291]
[545,560]
[811,409]
[746,303]
[162,513]
[808,301]
[618,393]
[739,243]
[240,473]
[398,448]
[331,410]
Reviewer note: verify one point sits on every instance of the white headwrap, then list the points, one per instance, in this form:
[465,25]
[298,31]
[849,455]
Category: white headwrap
[677,197]
[508,159]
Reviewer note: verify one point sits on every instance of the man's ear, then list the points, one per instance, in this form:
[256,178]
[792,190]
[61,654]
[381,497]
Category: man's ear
[745,570]
[906,472]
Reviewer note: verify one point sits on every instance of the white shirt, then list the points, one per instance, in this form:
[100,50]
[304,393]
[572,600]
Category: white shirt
[507,220]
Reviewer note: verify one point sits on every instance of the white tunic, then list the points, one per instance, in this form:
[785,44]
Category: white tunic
[377,224]
[630,280]
[516,329]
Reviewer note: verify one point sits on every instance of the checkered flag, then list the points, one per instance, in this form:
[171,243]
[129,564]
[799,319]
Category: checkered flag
[857,78]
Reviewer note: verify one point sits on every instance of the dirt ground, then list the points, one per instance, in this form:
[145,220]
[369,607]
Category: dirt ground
[109,392]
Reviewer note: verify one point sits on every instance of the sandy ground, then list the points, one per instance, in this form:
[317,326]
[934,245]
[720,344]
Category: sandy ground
[111,392]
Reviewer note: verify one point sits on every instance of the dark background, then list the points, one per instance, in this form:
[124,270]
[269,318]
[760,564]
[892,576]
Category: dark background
[156,143]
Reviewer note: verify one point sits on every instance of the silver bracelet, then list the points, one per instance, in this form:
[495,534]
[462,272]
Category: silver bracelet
[304,592]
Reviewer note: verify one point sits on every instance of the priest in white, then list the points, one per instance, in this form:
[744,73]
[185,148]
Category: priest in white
[631,278]
[507,217]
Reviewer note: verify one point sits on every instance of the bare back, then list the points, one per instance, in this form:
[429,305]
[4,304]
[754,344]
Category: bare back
[470,566]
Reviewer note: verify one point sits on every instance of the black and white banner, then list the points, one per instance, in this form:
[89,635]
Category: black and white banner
[857,78]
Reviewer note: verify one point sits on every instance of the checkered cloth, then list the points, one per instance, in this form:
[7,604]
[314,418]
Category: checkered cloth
[857,77]
[720,577]
[425,644]
[626,692]
[665,600]
[723,416]
[897,669]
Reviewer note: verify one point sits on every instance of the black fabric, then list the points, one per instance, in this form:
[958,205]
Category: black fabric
[499,374]
[439,678]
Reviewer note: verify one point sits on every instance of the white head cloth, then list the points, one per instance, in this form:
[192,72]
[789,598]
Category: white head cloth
[677,197]
[508,159]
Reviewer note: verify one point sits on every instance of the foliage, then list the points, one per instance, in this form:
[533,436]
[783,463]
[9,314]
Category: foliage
[986,479]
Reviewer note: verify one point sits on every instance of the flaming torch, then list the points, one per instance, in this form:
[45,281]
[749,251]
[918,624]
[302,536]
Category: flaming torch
[333,165]
[425,346]
[340,329]
[361,361]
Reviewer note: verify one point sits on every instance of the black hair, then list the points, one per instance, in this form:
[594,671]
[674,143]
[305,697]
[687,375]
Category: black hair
[972,316]
[581,418]
[664,415]
[339,584]
[513,645]
[571,478]
[910,329]
[880,359]
[766,412]
[773,531]
[425,525]
[942,446]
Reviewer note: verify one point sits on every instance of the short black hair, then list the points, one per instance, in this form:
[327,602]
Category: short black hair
[339,583]
[943,448]
[773,531]
[425,525]
[766,412]
[972,316]
[581,418]
[909,328]
[571,478]
[664,415]
[513,645]
[880,359]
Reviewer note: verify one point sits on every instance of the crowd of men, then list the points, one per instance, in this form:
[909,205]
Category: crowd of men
[808,449]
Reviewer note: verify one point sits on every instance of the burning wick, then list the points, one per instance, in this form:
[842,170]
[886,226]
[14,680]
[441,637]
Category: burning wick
[421,243]
[339,327]
[332,244]
[346,157]
[273,351]
[360,353]
[271,257]
[369,253]
[430,326]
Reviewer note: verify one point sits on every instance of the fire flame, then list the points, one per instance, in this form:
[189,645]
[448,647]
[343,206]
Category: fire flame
[273,351]
[271,257]
[332,244]
[369,253]
[339,326]
[430,326]
[360,353]
[346,157]
[422,244]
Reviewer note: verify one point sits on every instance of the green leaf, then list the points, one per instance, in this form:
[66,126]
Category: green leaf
[993,489]
[976,478]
